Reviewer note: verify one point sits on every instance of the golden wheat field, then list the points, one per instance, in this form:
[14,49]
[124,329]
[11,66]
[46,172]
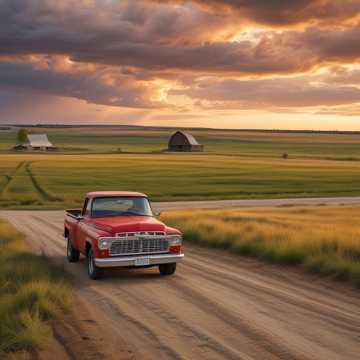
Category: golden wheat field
[323,239]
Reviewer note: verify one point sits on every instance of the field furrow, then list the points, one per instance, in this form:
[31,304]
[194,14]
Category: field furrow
[45,195]
[8,178]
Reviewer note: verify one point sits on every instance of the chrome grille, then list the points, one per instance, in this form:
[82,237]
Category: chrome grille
[145,242]
[149,234]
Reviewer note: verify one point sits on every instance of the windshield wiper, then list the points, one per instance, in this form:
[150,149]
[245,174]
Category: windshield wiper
[133,213]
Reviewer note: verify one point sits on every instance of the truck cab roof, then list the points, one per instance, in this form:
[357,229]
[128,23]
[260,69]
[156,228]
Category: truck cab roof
[99,194]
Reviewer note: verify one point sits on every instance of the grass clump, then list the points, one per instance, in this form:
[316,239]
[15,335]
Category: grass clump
[321,239]
[32,292]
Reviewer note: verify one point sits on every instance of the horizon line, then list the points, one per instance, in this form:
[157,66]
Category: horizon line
[196,128]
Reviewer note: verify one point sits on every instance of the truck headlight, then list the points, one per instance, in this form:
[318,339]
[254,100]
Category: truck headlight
[104,243]
[175,240]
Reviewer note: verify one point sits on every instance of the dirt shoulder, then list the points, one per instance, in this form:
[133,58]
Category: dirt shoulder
[77,335]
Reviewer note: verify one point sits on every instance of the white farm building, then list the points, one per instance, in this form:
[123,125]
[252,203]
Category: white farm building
[37,142]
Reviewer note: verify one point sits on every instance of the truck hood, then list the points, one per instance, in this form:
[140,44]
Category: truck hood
[119,224]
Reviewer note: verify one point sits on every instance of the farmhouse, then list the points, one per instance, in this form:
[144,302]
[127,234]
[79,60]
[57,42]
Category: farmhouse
[36,142]
[183,141]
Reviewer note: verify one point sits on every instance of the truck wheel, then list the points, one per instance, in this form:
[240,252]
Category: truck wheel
[94,271]
[73,255]
[167,269]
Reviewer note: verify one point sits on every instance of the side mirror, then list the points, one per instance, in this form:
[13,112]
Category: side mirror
[157,213]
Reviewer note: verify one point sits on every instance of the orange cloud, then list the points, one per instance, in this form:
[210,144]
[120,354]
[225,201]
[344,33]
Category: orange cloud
[282,13]
[183,55]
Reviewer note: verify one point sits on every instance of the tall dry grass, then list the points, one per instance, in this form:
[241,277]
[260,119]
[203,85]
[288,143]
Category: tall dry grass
[32,292]
[323,239]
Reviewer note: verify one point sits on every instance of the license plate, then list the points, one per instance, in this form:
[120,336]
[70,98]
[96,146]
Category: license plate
[142,261]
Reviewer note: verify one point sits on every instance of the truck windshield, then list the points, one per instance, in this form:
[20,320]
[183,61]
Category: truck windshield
[121,206]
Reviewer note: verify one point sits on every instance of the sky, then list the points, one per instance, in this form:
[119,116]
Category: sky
[271,64]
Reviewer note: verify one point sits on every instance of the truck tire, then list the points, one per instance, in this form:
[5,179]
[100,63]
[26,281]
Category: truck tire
[72,254]
[94,271]
[167,269]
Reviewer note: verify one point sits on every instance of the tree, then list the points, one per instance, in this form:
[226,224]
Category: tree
[22,135]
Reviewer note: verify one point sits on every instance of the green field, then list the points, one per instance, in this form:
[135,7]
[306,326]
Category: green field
[239,143]
[58,181]
[235,165]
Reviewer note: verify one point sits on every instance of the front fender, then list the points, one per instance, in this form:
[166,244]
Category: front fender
[98,253]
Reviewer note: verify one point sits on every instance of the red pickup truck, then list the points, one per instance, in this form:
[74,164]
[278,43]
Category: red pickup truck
[118,229]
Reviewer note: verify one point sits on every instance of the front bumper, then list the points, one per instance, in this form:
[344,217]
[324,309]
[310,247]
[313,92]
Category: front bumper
[131,260]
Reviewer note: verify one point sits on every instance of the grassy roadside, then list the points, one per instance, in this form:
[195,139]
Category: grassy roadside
[32,292]
[321,239]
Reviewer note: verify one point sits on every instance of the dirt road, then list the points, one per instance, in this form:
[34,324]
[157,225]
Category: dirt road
[217,306]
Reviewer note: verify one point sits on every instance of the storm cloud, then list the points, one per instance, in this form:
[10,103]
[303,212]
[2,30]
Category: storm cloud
[89,86]
[163,54]
[161,38]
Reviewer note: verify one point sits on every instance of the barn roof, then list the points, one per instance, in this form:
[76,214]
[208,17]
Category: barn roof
[39,140]
[190,138]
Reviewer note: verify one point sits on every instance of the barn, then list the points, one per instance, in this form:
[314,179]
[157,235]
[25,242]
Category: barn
[36,142]
[183,141]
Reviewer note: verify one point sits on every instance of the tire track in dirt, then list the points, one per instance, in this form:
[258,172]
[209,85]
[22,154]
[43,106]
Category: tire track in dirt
[44,195]
[241,284]
[196,337]
[312,308]
[138,327]
[318,310]
[261,337]
[256,275]
[10,177]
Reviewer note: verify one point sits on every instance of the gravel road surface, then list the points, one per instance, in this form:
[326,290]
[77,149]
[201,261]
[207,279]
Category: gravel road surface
[217,306]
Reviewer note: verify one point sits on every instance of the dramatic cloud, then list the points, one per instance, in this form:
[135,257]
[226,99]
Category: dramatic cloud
[90,86]
[280,12]
[184,56]
[161,38]
[258,94]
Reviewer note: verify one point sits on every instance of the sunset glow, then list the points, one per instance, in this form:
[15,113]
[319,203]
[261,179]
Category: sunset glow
[223,64]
